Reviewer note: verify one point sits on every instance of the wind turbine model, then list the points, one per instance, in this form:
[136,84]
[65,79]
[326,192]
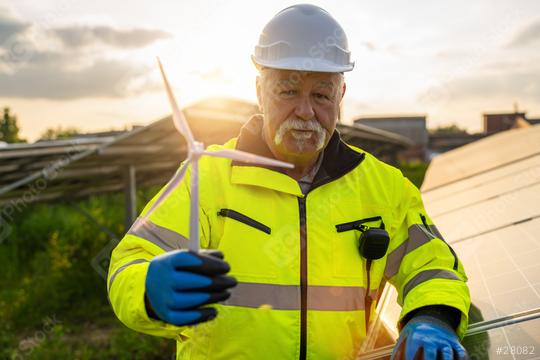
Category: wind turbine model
[195,151]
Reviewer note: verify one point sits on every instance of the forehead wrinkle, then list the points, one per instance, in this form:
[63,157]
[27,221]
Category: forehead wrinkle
[286,82]
[325,84]
[322,83]
[279,80]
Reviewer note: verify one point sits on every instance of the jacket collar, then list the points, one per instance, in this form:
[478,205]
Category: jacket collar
[338,157]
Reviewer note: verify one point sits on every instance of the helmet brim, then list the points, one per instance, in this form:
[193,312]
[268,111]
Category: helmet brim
[302,64]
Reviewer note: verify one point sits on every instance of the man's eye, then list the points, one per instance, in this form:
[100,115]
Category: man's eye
[287,92]
[321,96]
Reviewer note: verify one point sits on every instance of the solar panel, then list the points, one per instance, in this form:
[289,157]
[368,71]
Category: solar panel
[503,269]
[485,200]
[489,215]
[516,341]
[475,158]
[486,185]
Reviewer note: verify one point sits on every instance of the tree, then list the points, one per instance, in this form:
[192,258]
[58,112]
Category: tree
[448,129]
[9,130]
[59,133]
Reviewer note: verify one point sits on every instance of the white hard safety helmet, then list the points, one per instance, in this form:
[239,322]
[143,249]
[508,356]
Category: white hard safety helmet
[303,37]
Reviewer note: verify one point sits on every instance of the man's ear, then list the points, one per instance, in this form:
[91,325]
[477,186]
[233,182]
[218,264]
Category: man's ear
[259,92]
[343,90]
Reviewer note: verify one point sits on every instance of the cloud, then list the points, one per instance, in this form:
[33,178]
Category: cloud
[70,62]
[501,80]
[48,79]
[10,26]
[528,35]
[80,36]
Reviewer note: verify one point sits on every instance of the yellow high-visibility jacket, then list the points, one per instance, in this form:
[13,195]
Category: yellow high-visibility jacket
[302,283]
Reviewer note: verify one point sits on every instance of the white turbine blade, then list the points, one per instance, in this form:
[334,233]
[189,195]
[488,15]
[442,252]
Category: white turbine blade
[178,117]
[248,157]
[194,207]
[173,184]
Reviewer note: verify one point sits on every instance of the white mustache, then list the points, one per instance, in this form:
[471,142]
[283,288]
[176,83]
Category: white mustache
[305,125]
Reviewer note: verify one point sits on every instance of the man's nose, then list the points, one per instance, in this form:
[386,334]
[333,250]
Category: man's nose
[304,108]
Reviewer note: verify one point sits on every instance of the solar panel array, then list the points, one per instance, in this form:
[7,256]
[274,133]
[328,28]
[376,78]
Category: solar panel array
[83,167]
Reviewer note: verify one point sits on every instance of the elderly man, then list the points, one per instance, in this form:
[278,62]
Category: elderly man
[308,248]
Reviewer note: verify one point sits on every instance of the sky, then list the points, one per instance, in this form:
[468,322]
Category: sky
[91,64]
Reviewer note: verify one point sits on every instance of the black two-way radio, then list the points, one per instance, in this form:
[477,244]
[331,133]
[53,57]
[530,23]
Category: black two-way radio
[373,242]
[372,245]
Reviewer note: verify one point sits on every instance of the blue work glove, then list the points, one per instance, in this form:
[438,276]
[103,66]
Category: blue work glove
[428,336]
[180,281]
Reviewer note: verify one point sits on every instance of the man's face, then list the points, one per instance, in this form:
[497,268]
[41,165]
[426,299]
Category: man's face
[300,111]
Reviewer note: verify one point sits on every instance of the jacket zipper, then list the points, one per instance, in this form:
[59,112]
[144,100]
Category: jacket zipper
[424,221]
[303,261]
[355,225]
[303,277]
[244,219]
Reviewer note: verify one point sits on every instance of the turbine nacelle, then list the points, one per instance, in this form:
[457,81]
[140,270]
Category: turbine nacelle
[196,150]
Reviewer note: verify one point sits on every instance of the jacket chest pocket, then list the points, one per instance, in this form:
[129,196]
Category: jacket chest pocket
[246,245]
[244,219]
[346,221]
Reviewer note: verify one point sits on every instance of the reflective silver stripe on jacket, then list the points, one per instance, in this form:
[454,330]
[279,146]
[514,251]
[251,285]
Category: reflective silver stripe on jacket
[121,268]
[427,275]
[287,297]
[166,239]
[418,236]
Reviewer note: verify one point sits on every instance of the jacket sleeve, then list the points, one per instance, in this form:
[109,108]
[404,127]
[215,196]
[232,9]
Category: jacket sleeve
[166,229]
[420,264]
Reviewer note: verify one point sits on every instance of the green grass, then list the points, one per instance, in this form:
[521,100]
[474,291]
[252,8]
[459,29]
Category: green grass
[47,274]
